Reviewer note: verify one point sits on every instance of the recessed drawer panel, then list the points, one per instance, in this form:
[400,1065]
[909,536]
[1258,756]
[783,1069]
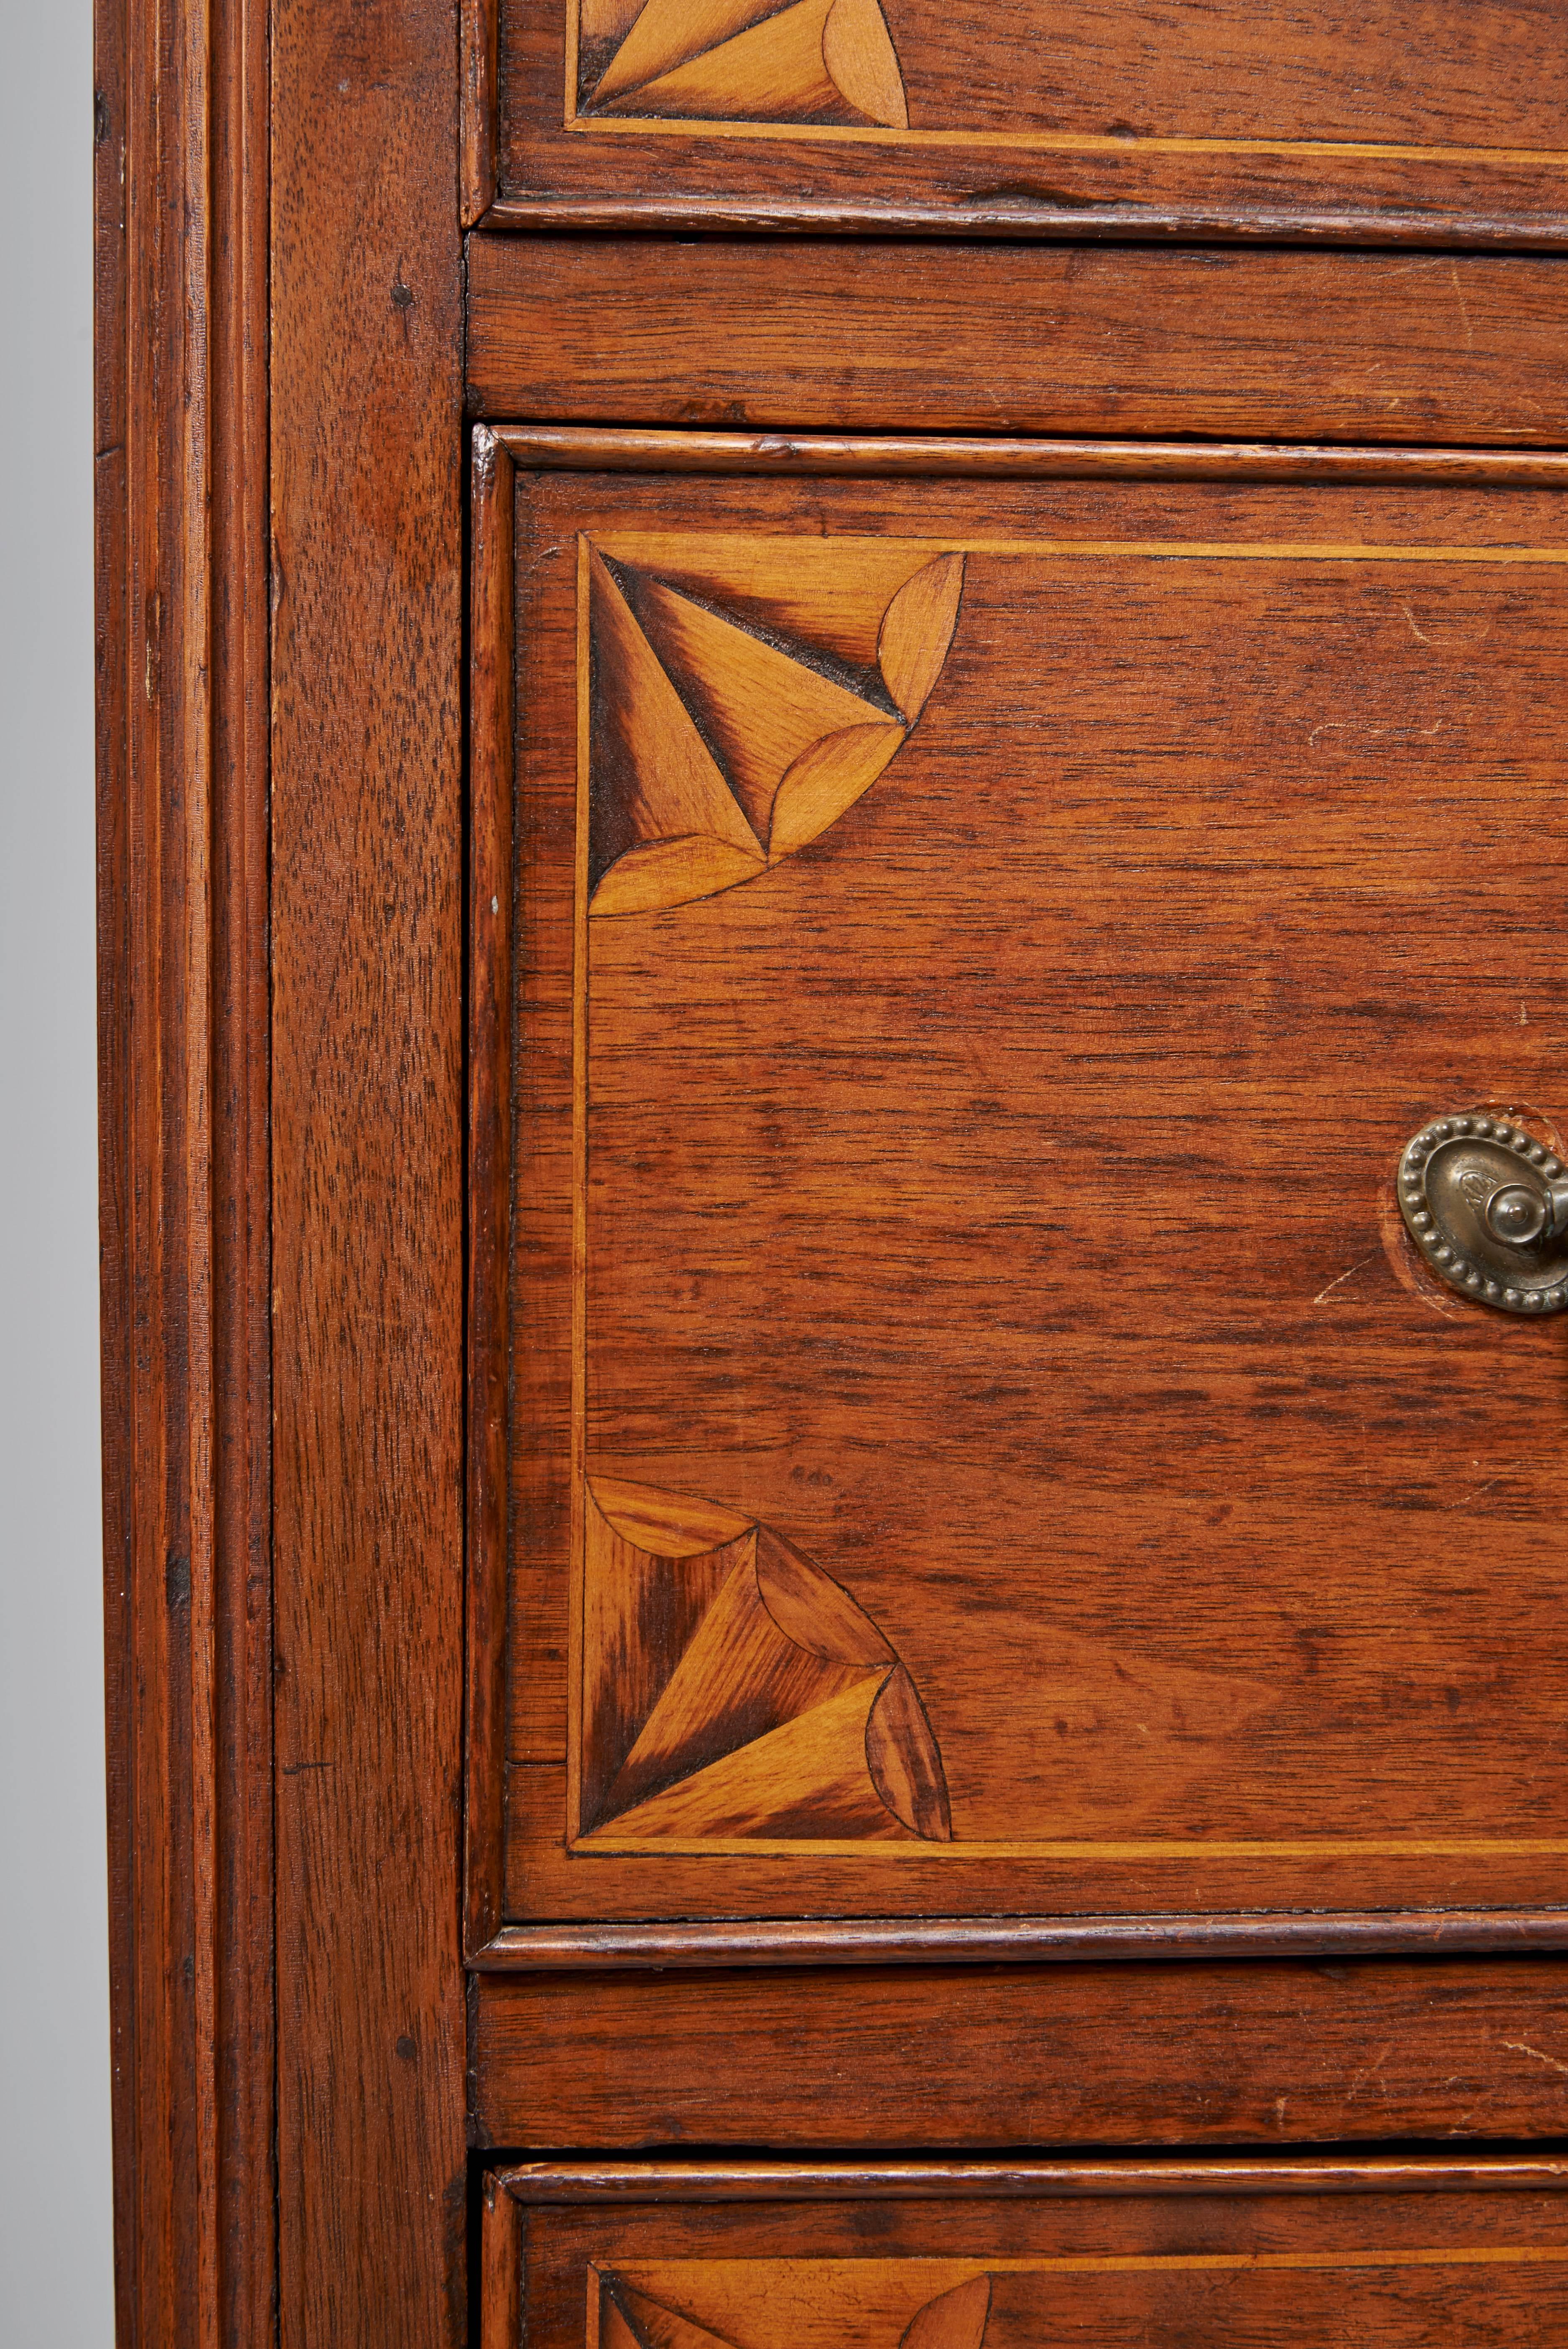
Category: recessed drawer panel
[1038,117]
[1388,2255]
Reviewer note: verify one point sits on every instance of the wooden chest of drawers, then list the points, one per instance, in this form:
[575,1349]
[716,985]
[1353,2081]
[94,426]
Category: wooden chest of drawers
[831,999]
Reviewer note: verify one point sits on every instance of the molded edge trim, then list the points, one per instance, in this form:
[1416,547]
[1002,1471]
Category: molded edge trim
[615,2181]
[914,456]
[1366,227]
[969,1940]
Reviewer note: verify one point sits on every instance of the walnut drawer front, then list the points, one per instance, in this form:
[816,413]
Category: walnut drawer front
[1312,2255]
[962,1437]
[1030,118]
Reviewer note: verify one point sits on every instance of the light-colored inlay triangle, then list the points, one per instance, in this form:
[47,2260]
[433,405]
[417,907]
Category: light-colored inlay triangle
[659,2327]
[808,1781]
[830,593]
[739,1678]
[659,761]
[668,32]
[807,2302]
[758,706]
[606,20]
[616,2328]
[640,1608]
[667,873]
[773,73]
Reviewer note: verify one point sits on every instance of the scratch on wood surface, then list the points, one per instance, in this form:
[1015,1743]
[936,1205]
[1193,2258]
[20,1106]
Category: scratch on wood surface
[1460,298]
[1370,2073]
[1475,1491]
[1341,1277]
[1354,726]
[541,556]
[1523,2047]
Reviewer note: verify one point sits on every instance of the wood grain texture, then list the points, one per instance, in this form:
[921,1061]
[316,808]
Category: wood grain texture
[180,202]
[1470,2262]
[898,336]
[984,2058]
[479,32]
[1144,1775]
[493,500]
[366,481]
[1219,121]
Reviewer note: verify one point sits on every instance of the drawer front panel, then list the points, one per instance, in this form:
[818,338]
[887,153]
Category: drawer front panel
[982,1442]
[1301,2258]
[1043,117]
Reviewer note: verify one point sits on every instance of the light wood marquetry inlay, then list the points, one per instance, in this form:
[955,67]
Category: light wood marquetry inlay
[745,693]
[732,1688]
[816,61]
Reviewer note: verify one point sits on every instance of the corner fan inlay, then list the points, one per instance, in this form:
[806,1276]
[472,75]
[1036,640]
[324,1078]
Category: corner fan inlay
[649,2314]
[744,693]
[740,61]
[731,1687]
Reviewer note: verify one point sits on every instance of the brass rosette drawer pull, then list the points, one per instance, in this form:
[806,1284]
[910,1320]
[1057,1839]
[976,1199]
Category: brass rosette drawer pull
[1486,1205]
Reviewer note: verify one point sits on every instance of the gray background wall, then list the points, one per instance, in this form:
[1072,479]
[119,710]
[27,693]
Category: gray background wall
[54,2239]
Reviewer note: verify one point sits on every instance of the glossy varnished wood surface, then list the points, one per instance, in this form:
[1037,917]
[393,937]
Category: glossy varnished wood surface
[1111,2260]
[608,2178]
[967,2058]
[180,202]
[1384,124]
[588,447]
[794,336]
[480,66]
[367,490]
[492,507]
[1180,1737]
[652,1945]
[500,2264]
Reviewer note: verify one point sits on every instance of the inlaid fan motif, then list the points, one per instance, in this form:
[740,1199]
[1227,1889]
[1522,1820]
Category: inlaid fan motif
[656,2312]
[744,694]
[731,1687]
[740,61]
